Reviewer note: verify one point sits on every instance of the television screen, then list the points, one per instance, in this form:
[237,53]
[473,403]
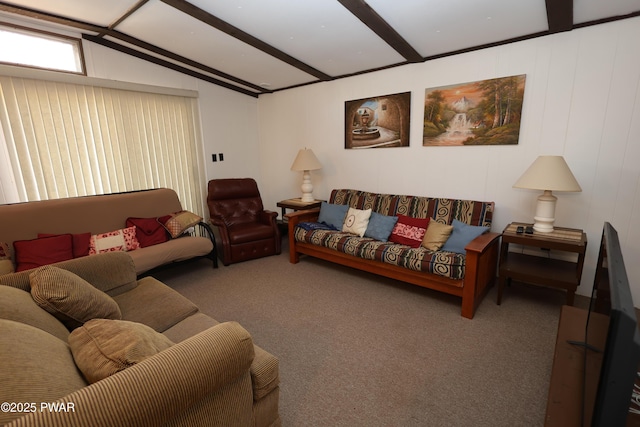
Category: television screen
[612,340]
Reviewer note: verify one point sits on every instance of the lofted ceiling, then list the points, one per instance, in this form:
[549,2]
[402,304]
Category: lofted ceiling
[261,46]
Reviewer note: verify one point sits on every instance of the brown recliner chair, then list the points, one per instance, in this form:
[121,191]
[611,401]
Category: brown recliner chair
[245,230]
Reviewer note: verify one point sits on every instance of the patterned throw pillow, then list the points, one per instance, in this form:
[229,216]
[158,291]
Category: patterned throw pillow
[409,231]
[356,221]
[119,240]
[181,222]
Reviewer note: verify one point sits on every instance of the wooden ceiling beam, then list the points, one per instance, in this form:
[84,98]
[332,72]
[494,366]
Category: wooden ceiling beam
[378,25]
[48,17]
[237,33]
[167,64]
[559,15]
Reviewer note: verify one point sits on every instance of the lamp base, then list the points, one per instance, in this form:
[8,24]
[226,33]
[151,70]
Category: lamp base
[545,212]
[307,188]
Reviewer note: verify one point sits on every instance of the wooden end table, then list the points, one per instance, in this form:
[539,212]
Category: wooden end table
[538,270]
[296,205]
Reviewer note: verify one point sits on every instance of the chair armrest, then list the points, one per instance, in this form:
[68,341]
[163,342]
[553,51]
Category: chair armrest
[268,217]
[158,389]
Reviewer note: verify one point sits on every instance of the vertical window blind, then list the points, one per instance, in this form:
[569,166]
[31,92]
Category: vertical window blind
[66,140]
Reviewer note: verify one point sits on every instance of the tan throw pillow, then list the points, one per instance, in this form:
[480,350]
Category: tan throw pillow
[103,347]
[69,297]
[436,235]
[356,221]
[180,222]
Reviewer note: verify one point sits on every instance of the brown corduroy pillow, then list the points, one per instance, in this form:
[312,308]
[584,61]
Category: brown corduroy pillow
[70,298]
[103,347]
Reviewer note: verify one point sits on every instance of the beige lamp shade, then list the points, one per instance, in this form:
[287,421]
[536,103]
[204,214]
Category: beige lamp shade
[306,161]
[547,173]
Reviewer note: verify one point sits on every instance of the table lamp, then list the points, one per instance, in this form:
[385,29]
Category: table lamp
[306,161]
[547,173]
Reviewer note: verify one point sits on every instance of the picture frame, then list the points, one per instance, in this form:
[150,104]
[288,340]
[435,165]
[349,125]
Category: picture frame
[484,112]
[378,122]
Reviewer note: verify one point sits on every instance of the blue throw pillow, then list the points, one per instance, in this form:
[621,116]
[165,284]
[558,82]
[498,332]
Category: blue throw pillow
[461,235]
[380,226]
[333,215]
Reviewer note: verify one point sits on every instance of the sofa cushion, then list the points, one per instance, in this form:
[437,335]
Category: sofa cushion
[332,214]
[380,226]
[436,235]
[186,247]
[18,305]
[48,250]
[6,261]
[356,221]
[154,304]
[122,240]
[179,222]
[36,367]
[70,298]
[446,264]
[409,231]
[461,236]
[103,347]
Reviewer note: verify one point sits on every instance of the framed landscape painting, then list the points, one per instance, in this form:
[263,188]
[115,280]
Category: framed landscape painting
[379,122]
[485,112]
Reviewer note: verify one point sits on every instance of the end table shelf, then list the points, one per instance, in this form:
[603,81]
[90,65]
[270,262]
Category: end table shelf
[540,270]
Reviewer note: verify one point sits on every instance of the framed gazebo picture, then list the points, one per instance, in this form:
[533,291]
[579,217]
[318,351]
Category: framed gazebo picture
[485,112]
[379,122]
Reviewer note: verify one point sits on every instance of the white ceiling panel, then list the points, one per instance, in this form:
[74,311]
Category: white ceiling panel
[259,46]
[98,12]
[175,31]
[436,27]
[592,10]
[320,33]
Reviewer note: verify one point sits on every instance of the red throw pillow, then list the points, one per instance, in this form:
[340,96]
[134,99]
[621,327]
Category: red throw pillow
[409,231]
[44,251]
[149,231]
[80,243]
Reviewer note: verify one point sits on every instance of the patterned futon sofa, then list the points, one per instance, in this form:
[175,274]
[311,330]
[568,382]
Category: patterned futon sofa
[465,275]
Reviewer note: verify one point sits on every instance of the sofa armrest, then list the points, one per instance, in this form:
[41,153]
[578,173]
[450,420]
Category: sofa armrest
[481,243]
[307,215]
[293,219]
[481,264]
[162,387]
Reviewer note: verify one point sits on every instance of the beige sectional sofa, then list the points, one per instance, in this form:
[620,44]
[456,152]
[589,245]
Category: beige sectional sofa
[212,375]
[106,213]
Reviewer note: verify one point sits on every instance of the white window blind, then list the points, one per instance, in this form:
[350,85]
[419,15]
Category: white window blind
[66,140]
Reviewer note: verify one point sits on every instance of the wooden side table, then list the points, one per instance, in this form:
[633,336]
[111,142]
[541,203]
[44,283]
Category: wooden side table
[539,270]
[296,205]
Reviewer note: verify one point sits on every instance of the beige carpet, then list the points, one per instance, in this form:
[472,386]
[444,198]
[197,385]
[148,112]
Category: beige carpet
[359,350]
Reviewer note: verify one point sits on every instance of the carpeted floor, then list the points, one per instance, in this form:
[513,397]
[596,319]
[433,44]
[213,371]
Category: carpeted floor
[359,350]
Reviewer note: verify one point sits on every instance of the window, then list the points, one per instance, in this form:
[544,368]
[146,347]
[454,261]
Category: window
[38,49]
[65,139]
